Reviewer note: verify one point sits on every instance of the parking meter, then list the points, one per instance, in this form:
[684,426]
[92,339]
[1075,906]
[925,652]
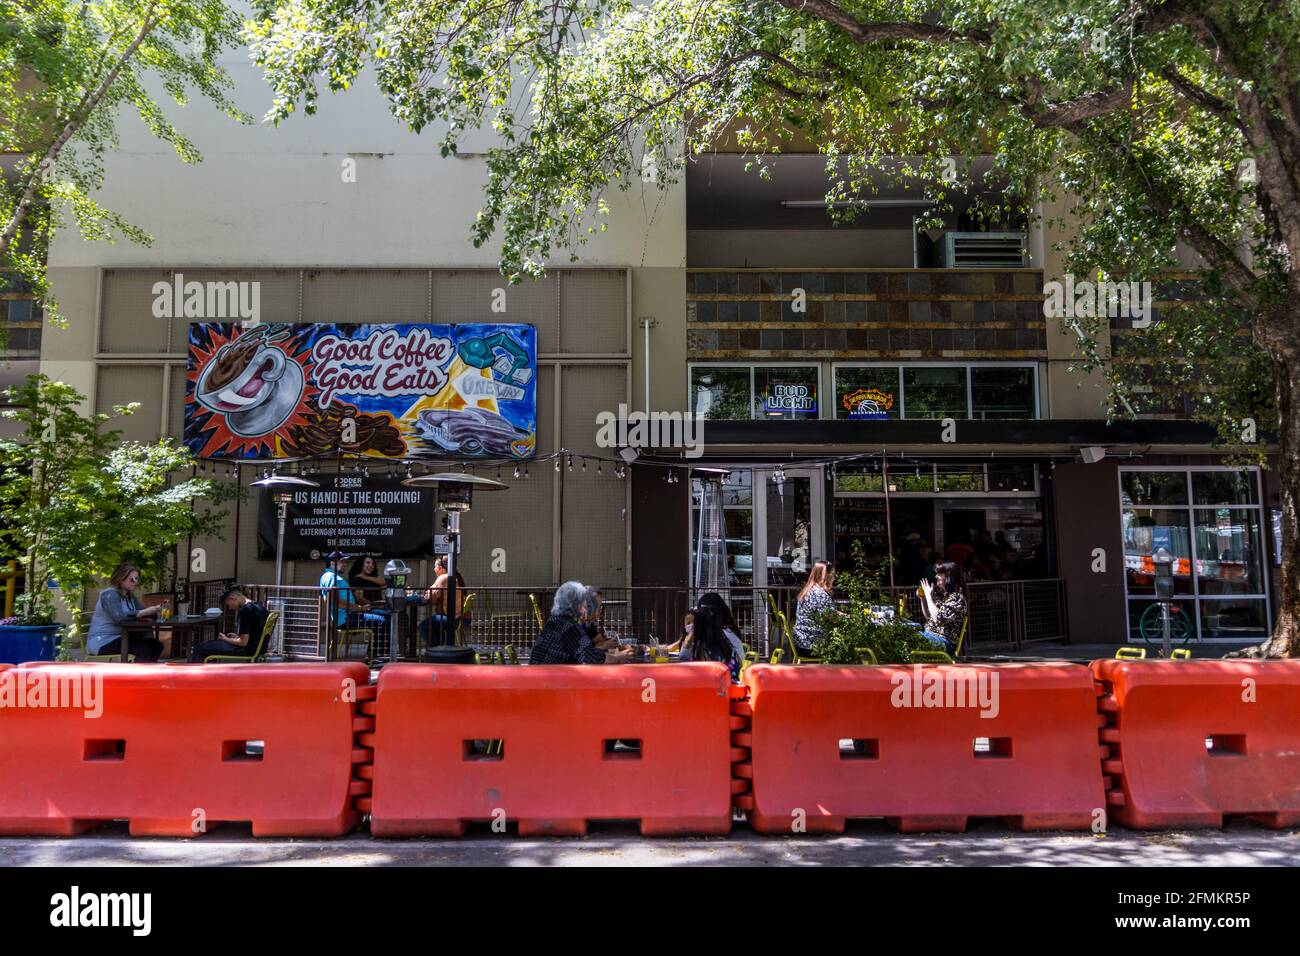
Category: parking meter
[395,574]
[1164,568]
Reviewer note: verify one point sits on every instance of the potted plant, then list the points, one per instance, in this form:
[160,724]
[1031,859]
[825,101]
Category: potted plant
[78,501]
[31,634]
[847,636]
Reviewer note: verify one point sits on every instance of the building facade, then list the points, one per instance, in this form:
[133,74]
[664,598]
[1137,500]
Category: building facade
[860,385]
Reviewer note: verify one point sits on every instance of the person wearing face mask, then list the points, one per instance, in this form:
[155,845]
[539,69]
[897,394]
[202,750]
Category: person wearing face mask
[688,625]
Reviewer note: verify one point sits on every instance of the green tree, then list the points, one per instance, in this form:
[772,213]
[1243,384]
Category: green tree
[77,501]
[67,68]
[1152,125]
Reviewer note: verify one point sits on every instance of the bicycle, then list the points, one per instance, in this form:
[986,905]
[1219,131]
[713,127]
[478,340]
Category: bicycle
[1151,627]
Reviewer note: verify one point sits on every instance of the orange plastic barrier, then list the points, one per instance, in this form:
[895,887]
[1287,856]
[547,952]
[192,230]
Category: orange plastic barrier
[911,744]
[1191,741]
[537,746]
[176,750]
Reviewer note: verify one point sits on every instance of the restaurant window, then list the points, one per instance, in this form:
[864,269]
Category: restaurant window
[738,521]
[739,392]
[868,392]
[1211,523]
[935,391]
[1002,392]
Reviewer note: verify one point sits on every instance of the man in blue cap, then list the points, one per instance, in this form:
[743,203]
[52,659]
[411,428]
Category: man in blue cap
[333,580]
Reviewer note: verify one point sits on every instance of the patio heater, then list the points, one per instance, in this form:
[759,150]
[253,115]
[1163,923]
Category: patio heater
[710,572]
[455,493]
[1164,568]
[281,489]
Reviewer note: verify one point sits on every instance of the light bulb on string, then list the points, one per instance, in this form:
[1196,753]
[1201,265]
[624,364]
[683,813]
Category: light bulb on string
[570,463]
[557,466]
[516,471]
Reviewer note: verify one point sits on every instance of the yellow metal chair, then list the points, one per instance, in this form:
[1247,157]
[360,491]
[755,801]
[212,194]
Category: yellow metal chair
[464,618]
[268,629]
[961,638]
[867,656]
[512,656]
[74,639]
[777,655]
[1131,654]
[1180,654]
[537,611]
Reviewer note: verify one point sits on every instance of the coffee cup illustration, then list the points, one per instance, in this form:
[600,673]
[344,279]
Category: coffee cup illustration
[252,383]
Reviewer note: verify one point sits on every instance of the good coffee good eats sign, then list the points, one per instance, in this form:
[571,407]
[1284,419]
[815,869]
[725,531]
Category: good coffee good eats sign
[392,391]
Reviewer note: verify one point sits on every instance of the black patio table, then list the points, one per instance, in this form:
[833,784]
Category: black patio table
[182,626]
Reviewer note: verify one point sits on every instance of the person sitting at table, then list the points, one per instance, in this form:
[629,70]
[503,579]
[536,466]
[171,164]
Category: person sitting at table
[595,626]
[434,629]
[944,606]
[688,625]
[366,580]
[709,641]
[332,583]
[564,639]
[117,604]
[729,630]
[250,621]
[814,599]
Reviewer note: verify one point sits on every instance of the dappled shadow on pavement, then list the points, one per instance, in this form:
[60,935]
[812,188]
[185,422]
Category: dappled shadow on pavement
[867,843]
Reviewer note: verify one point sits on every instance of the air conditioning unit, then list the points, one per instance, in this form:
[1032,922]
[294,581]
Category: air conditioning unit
[983,250]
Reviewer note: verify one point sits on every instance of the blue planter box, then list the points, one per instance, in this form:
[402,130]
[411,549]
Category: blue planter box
[21,644]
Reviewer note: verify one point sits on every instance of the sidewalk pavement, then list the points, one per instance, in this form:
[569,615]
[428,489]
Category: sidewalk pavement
[988,843]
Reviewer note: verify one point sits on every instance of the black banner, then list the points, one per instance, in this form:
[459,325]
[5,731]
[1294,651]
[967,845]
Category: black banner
[359,515]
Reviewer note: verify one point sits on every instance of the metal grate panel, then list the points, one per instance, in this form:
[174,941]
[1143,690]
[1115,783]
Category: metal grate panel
[365,295]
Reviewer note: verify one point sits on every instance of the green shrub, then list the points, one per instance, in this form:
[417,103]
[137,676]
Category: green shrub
[845,634]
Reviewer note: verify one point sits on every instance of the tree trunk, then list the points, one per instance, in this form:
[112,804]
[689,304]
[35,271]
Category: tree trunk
[1285,641]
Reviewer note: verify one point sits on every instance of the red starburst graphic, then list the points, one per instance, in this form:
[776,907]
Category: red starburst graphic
[206,433]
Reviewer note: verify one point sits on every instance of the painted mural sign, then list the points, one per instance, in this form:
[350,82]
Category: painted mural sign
[392,391]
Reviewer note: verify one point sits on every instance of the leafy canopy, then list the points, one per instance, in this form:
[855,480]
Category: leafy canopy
[68,69]
[1148,125]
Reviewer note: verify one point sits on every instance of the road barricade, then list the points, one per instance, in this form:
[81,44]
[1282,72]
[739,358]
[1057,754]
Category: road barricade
[176,750]
[550,748]
[1192,741]
[926,747]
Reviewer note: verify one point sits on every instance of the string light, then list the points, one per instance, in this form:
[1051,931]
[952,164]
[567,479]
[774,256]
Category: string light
[557,466]
[516,471]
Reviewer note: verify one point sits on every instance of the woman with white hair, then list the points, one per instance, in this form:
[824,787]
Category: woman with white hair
[564,639]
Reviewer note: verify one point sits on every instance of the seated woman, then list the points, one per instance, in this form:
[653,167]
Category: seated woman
[814,599]
[564,639]
[117,604]
[944,606]
[709,640]
[730,631]
[688,623]
[367,582]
